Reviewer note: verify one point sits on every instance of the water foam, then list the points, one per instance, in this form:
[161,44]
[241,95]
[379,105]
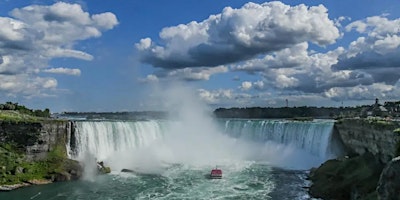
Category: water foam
[150,146]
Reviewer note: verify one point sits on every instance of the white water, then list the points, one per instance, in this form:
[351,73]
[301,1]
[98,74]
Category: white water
[103,138]
[312,137]
[149,146]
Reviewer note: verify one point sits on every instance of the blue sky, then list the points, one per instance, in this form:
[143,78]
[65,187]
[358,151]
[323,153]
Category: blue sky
[119,56]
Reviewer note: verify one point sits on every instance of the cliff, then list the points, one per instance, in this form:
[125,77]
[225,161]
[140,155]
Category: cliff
[36,139]
[369,144]
[34,151]
[369,135]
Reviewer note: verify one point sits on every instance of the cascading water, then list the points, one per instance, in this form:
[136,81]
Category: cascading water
[102,138]
[270,140]
[312,136]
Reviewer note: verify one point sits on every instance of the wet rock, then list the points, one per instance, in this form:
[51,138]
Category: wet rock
[389,181]
[61,176]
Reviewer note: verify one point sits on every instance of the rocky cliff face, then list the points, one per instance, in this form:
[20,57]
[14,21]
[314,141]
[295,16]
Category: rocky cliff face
[35,153]
[35,138]
[370,144]
[389,182]
[377,137]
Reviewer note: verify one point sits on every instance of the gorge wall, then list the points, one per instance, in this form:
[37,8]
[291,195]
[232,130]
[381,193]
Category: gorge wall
[35,138]
[370,145]
[374,136]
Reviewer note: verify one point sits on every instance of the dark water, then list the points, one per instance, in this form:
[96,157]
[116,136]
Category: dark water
[240,181]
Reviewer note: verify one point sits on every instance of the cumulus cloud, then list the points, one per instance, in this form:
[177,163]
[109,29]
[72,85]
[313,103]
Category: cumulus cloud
[362,92]
[196,74]
[26,85]
[376,51]
[246,85]
[214,97]
[35,34]
[239,34]
[190,74]
[296,68]
[61,70]
[259,85]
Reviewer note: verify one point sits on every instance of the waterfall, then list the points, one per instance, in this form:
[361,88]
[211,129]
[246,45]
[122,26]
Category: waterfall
[102,138]
[311,136]
[279,142]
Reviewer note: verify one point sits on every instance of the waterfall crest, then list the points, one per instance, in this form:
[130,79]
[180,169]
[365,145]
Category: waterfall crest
[311,136]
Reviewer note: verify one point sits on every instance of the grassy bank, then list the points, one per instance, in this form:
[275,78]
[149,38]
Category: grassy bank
[15,116]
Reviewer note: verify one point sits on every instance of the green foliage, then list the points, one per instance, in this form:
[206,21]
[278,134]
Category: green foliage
[11,160]
[397,131]
[288,112]
[55,159]
[24,110]
[381,123]
[14,116]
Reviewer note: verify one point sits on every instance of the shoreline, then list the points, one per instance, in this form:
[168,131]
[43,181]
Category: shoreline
[7,188]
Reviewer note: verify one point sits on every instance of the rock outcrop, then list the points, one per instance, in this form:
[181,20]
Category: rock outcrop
[35,138]
[348,178]
[389,182]
[369,144]
[363,135]
[35,152]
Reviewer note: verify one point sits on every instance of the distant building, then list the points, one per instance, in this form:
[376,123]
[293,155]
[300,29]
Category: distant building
[376,110]
[393,108]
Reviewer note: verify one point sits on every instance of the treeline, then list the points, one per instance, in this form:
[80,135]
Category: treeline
[288,112]
[137,115]
[24,110]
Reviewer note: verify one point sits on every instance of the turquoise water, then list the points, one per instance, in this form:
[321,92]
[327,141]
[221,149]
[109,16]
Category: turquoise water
[240,181]
[260,159]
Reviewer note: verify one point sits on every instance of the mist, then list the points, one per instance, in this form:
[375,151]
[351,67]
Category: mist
[192,137]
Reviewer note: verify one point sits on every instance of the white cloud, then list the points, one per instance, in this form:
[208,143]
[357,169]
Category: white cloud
[215,97]
[26,85]
[259,85]
[376,51]
[36,34]
[239,34]
[11,30]
[283,81]
[143,44]
[191,74]
[246,85]
[151,78]
[61,70]
[362,92]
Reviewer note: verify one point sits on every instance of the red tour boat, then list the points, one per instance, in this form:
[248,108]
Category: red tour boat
[216,173]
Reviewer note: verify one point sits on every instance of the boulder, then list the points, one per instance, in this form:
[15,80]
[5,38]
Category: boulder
[18,170]
[61,176]
[74,168]
[101,169]
[71,170]
[389,181]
